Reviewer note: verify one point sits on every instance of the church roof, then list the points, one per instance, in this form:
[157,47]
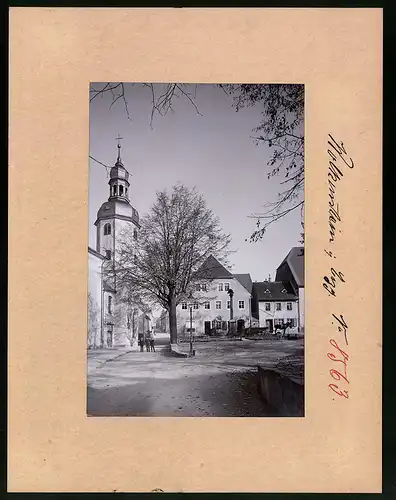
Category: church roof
[117,208]
[119,171]
[92,251]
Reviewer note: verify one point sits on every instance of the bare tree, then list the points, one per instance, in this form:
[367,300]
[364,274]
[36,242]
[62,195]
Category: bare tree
[93,322]
[129,307]
[282,130]
[161,95]
[176,238]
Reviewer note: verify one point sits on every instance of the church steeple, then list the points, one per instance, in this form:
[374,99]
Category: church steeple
[119,177]
[116,212]
[119,161]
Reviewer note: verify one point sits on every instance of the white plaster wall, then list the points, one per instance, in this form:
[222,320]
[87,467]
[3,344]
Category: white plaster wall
[94,290]
[301,296]
[104,242]
[201,315]
[121,226]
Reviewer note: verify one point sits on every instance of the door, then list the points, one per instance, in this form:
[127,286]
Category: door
[207,327]
[109,338]
[240,325]
[269,323]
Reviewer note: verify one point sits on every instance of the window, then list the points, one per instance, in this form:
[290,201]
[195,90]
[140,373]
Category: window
[218,324]
[207,305]
[109,304]
[289,306]
[121,190]
[114,190]
[184,305]
[198,288]
[218,304]
[135,234]
[241,304]
[126,191]
[268,306]
[195,306]
[135,259]
[204,288]
[107,229]
[108,254]
[228,304]
[220,287]
[278,306]
[226,286]
[292,322]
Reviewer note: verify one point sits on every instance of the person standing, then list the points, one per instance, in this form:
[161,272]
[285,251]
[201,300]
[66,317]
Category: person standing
[147,341]
[152,340]
[141,341]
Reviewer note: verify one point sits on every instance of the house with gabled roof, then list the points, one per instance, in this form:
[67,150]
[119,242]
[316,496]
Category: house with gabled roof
[292,270]
[211,303]
[277,305]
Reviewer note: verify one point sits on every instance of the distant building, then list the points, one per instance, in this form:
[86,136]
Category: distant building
[211,306]
[162,323]
[292,270]
[277,305]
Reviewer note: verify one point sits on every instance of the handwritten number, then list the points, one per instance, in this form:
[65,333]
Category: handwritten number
[342,393]
[343,353]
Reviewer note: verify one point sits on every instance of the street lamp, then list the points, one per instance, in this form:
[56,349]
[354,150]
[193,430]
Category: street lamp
[191,335]
[231,294]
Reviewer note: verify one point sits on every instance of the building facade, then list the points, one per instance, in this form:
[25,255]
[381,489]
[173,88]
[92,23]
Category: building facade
[209,311]
[277,305]
[111,320]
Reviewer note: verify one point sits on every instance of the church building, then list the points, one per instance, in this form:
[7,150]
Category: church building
[111,321]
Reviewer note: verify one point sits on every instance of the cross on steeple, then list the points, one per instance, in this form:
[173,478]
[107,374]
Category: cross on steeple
[119,147]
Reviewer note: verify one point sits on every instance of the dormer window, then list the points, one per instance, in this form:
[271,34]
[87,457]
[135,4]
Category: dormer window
[267,291]
[284,290]
[107,229]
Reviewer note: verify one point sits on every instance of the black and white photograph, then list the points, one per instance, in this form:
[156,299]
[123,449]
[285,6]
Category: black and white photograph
[195,250]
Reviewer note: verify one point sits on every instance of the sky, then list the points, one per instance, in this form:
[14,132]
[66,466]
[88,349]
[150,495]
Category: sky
[213,151]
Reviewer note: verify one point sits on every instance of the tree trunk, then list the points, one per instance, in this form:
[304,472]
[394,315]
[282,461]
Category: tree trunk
[172,321]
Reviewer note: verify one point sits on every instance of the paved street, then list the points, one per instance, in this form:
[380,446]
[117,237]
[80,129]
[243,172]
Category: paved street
[219,381]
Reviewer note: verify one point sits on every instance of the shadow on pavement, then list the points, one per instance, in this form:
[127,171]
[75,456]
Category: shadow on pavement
[218,395]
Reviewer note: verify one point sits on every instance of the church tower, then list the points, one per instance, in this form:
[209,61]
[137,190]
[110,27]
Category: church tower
[116,213]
